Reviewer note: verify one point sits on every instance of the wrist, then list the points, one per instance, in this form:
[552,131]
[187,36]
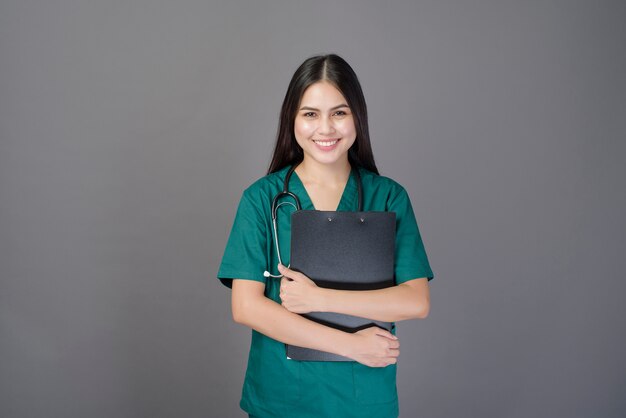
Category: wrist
[346,345]
[322,300]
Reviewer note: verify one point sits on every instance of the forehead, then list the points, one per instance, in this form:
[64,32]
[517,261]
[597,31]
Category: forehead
[321,93]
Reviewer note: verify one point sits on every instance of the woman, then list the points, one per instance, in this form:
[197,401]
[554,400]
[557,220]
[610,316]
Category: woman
[323,131]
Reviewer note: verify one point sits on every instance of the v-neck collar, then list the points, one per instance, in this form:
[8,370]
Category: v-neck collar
[347,202]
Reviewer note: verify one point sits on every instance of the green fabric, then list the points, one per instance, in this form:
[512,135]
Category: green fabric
[275,386]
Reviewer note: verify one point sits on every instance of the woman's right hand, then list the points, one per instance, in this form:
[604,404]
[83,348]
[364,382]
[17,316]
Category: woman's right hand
[375,347]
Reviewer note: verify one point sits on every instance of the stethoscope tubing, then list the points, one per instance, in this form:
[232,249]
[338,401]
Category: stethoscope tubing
[276,203]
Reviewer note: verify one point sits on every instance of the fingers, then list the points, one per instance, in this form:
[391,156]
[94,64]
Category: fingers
[392,345]
[392,360]
[393,349]
[385,333]
[388,347]
[391,357]
[383,363]
[390,340]
[282,293]
[388,335]
[395,345]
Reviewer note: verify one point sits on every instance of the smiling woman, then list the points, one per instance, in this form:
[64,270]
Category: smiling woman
[324,129]
[323,139]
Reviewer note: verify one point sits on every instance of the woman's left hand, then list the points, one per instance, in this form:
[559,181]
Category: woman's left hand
[298,293]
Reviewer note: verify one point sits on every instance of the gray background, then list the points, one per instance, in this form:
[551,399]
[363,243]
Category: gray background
[129,129]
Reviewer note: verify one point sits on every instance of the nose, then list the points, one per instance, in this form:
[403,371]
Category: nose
[326,126]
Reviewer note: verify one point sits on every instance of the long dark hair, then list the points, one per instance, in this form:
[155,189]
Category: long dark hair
[335,70]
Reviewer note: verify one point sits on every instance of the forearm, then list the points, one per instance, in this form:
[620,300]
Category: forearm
[271,319]
[392,304]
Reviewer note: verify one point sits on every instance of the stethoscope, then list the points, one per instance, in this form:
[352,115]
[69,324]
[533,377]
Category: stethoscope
[285,193]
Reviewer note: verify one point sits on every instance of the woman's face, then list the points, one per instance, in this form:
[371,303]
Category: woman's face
[324,125]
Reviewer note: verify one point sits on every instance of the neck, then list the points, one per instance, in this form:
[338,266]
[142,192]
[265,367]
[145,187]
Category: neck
[315,172]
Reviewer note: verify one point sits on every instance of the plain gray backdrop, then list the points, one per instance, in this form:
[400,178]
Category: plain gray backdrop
[128,130]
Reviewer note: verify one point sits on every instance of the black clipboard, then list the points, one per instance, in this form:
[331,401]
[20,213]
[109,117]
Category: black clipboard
[342,250]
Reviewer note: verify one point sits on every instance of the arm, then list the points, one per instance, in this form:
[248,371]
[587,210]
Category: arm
[408,300]
[373,347]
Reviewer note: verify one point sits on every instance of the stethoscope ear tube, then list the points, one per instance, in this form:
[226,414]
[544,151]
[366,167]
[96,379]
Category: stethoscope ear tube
[359,187]
[285,193]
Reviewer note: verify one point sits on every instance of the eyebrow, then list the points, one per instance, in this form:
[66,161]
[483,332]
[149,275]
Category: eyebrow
[332,108]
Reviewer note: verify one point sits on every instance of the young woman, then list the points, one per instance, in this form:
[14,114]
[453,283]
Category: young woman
[323,132]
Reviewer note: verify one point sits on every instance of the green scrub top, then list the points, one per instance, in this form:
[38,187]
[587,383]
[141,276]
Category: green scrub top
[275,386]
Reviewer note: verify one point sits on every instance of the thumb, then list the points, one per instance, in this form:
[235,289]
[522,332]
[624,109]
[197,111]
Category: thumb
[386,334]
[285,271]
[294,275]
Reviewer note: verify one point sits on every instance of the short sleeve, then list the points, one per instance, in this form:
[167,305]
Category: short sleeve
[245,255]
[411,259]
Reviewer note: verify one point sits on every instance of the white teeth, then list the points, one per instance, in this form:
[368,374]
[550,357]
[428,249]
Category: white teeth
[326,143]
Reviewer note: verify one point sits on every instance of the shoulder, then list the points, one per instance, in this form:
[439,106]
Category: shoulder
[377,184]
[256,199]
[267,185]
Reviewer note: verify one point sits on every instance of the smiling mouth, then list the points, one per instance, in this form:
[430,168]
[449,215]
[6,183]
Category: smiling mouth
[326,143]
